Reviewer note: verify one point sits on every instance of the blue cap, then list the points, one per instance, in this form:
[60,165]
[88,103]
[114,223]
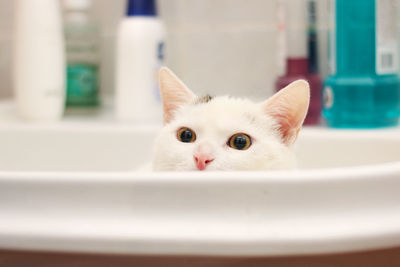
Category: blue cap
[141,8]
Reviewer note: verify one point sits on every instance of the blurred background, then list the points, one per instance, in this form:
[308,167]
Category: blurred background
[218,47]
[347,50]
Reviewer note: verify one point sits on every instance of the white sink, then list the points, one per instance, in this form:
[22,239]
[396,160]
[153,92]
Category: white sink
[72,186]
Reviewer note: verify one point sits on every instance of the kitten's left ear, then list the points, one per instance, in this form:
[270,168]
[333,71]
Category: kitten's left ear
[289,108]
[174,93]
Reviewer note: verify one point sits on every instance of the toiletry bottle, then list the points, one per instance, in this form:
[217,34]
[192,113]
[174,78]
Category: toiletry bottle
[363,90]
[312,38]
[82,44]
[297,30]
[39,60]
[139,56]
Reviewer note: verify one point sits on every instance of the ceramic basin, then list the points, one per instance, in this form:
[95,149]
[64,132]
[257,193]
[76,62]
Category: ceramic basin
[75,187]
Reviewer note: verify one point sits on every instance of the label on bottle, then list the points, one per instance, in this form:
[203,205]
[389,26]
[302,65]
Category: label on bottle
[82,84]
[159,64]
[327,97]
[385,40]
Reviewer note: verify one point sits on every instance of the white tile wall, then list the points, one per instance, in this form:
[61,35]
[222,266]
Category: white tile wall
[215,46]
[225,46]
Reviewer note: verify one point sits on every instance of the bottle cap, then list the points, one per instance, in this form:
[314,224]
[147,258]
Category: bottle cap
[141,8]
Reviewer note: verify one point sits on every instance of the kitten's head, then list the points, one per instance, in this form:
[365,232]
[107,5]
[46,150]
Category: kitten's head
[224,133]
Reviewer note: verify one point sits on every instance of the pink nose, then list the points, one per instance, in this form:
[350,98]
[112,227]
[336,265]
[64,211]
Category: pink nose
[202,161]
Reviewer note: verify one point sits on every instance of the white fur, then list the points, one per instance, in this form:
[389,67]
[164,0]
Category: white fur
[214,123]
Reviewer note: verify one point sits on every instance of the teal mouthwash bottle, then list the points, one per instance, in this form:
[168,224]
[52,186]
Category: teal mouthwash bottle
[363,90]
[82,39]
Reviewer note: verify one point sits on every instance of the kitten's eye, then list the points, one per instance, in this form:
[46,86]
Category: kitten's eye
[240,141]
[186,135]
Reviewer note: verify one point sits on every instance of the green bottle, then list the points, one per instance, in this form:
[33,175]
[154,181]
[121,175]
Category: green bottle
[363,90]
[82,38]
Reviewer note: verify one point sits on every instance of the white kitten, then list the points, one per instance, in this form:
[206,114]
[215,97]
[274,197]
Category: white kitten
[225,133]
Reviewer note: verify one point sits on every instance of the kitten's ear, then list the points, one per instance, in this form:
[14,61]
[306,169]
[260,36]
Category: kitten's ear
[174,93]
[289,108]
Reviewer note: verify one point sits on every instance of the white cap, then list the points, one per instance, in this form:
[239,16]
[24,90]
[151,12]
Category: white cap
[77,4]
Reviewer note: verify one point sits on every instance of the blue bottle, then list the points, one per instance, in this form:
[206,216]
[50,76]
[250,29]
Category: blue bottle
[363,90]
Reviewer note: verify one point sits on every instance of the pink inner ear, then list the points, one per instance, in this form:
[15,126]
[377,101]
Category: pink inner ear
[289,108]
[171,102]
[289,126]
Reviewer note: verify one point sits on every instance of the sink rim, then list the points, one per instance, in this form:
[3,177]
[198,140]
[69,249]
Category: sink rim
[350,173]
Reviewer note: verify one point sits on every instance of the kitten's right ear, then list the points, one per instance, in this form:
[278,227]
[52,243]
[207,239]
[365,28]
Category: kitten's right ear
[289,108]
[174,93]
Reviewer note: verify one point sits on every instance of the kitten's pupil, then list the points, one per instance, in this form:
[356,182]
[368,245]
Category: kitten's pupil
[186,135]
[240,141]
